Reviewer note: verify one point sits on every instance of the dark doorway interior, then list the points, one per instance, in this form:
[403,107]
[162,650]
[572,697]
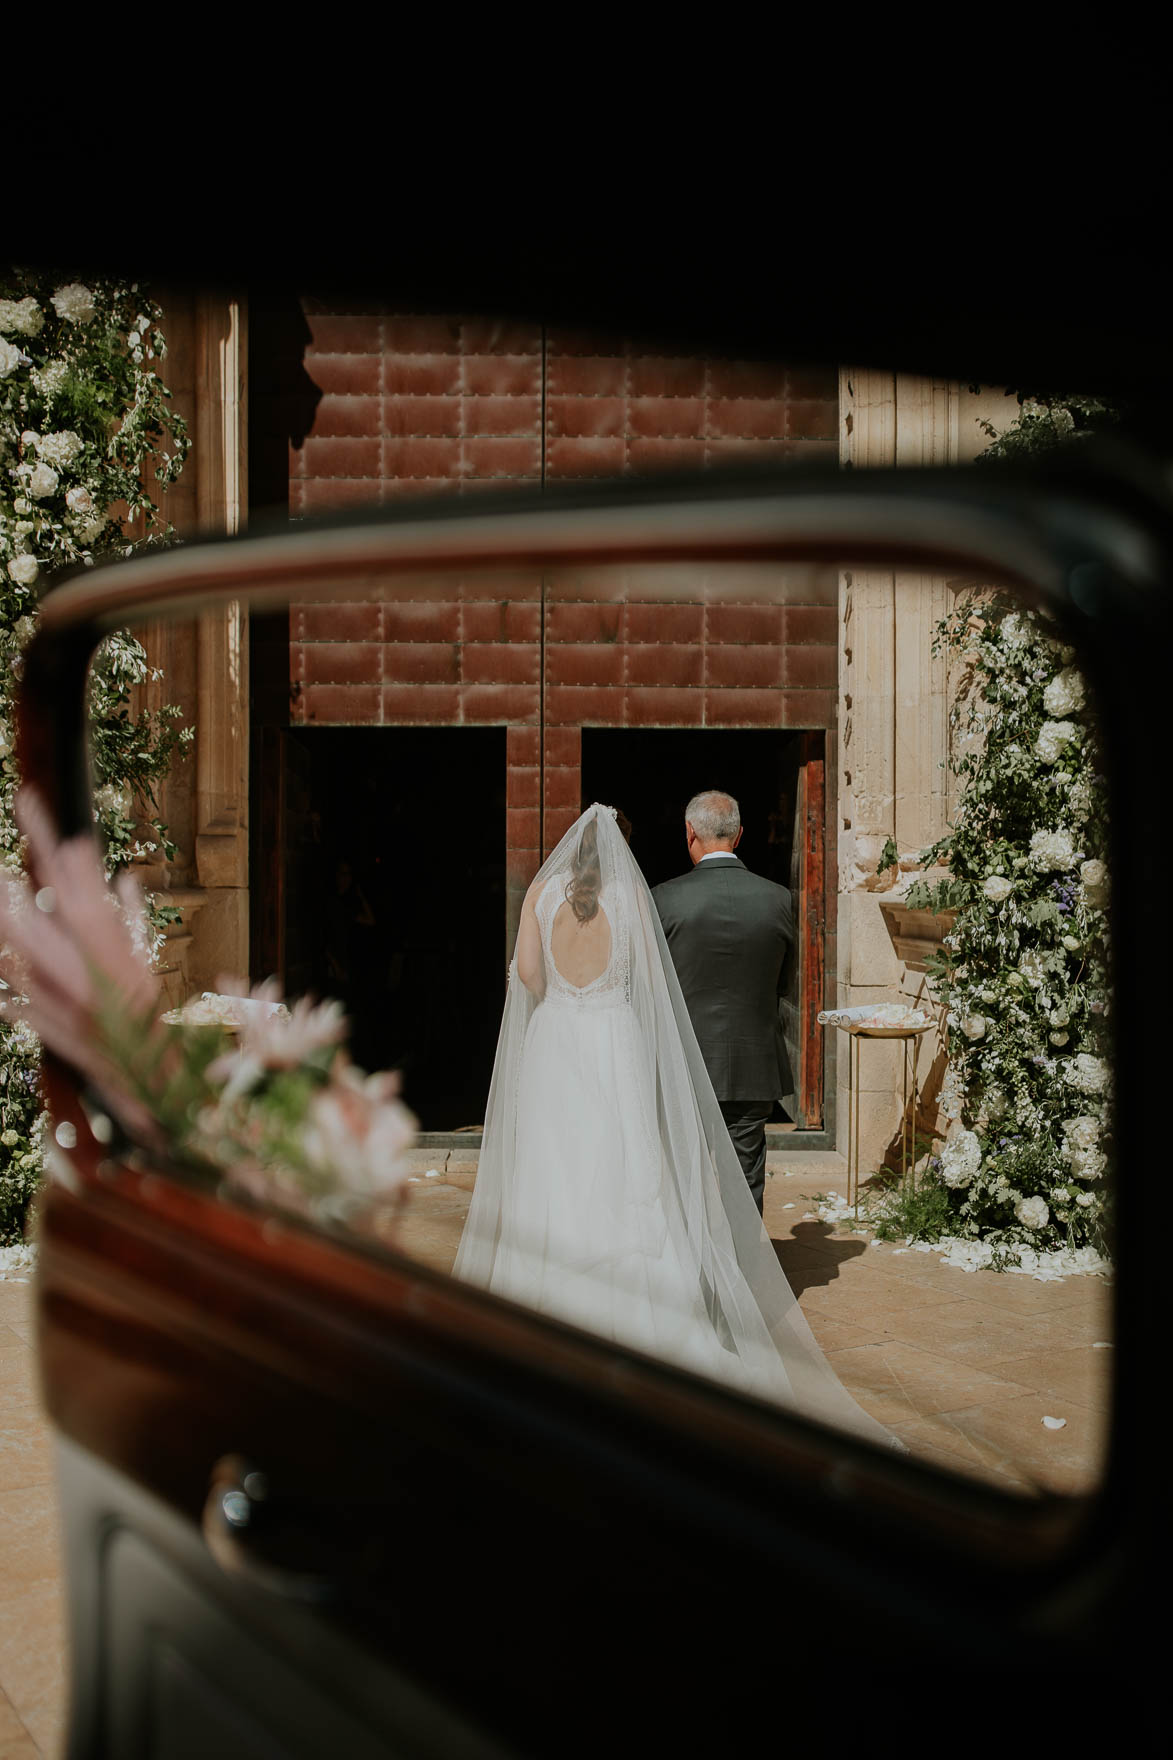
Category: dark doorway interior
[653,773]
[394,895]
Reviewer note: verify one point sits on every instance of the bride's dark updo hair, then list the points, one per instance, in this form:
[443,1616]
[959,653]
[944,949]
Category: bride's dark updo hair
[582,890]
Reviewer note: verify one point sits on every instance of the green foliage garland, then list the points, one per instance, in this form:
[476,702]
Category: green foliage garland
[83,412]
[1023,975]
[1047,420]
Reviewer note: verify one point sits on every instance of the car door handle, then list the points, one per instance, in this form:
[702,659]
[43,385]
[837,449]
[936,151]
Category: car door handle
[267,1540]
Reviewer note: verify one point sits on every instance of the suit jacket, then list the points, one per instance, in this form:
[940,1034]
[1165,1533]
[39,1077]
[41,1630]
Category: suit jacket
[729,932]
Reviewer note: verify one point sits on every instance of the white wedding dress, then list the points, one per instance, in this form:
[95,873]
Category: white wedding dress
[608,1191]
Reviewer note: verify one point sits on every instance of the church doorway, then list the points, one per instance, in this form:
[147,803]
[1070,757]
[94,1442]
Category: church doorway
[777,777]
[392,883]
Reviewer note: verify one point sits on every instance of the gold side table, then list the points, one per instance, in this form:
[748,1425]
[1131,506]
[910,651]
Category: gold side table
[911,1037]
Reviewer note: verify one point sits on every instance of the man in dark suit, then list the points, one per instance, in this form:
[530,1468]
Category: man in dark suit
[729,932]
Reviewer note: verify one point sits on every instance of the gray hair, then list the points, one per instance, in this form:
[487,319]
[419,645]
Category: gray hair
[713,815]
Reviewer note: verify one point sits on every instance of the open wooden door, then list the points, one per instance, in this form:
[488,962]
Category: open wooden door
[805,975]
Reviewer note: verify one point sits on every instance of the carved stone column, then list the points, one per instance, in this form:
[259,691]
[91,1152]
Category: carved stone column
[893,724]
[205,660]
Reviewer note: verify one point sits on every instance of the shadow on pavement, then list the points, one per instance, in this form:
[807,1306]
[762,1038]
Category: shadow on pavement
[811,1256]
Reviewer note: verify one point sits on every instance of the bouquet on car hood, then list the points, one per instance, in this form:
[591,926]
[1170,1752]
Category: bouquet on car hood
[236,1086]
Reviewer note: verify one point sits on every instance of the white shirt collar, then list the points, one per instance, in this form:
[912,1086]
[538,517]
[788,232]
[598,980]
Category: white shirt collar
[718,855]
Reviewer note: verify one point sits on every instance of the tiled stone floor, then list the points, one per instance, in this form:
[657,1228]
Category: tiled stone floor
[963,1365]
[32,1636]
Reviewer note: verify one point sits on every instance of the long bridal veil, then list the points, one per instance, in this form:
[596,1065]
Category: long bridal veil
[711,1222]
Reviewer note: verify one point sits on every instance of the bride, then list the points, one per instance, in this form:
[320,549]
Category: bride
[608,1191]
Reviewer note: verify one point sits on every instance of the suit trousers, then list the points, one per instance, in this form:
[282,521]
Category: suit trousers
[746,1121]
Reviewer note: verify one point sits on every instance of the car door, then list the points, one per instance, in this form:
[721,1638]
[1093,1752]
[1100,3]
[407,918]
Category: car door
[319,1499]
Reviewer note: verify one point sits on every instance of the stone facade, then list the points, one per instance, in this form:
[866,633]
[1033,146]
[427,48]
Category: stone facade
[389,405]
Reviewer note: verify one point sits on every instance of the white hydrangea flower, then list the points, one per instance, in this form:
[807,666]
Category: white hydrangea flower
[1030,964]
[997,888]
[1081,1133]
[92,530]
[1052,852]
[1090,1075]
[1085,1200]
[113,800]
[1079,798]
[1054,737]
[61,449]
[50,379]
[10,358]
[952,1093]
[21,317]
[23,570]
[1032,1213]
[961,1159]
[1013,631]
[74,302]
[1065,693]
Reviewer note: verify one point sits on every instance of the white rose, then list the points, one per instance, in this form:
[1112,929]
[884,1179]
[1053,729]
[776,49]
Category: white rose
[1032,1213]
[1054,736]
[1071,944]
[21,506]
[1059,1038]
[21,317]
[1085,1200]
[10,358]
[61,449]
[1065,693]
[79,500]
[23,570]
[997,888]
[29,437]
[974,1026]
[43,482]
[74,302]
